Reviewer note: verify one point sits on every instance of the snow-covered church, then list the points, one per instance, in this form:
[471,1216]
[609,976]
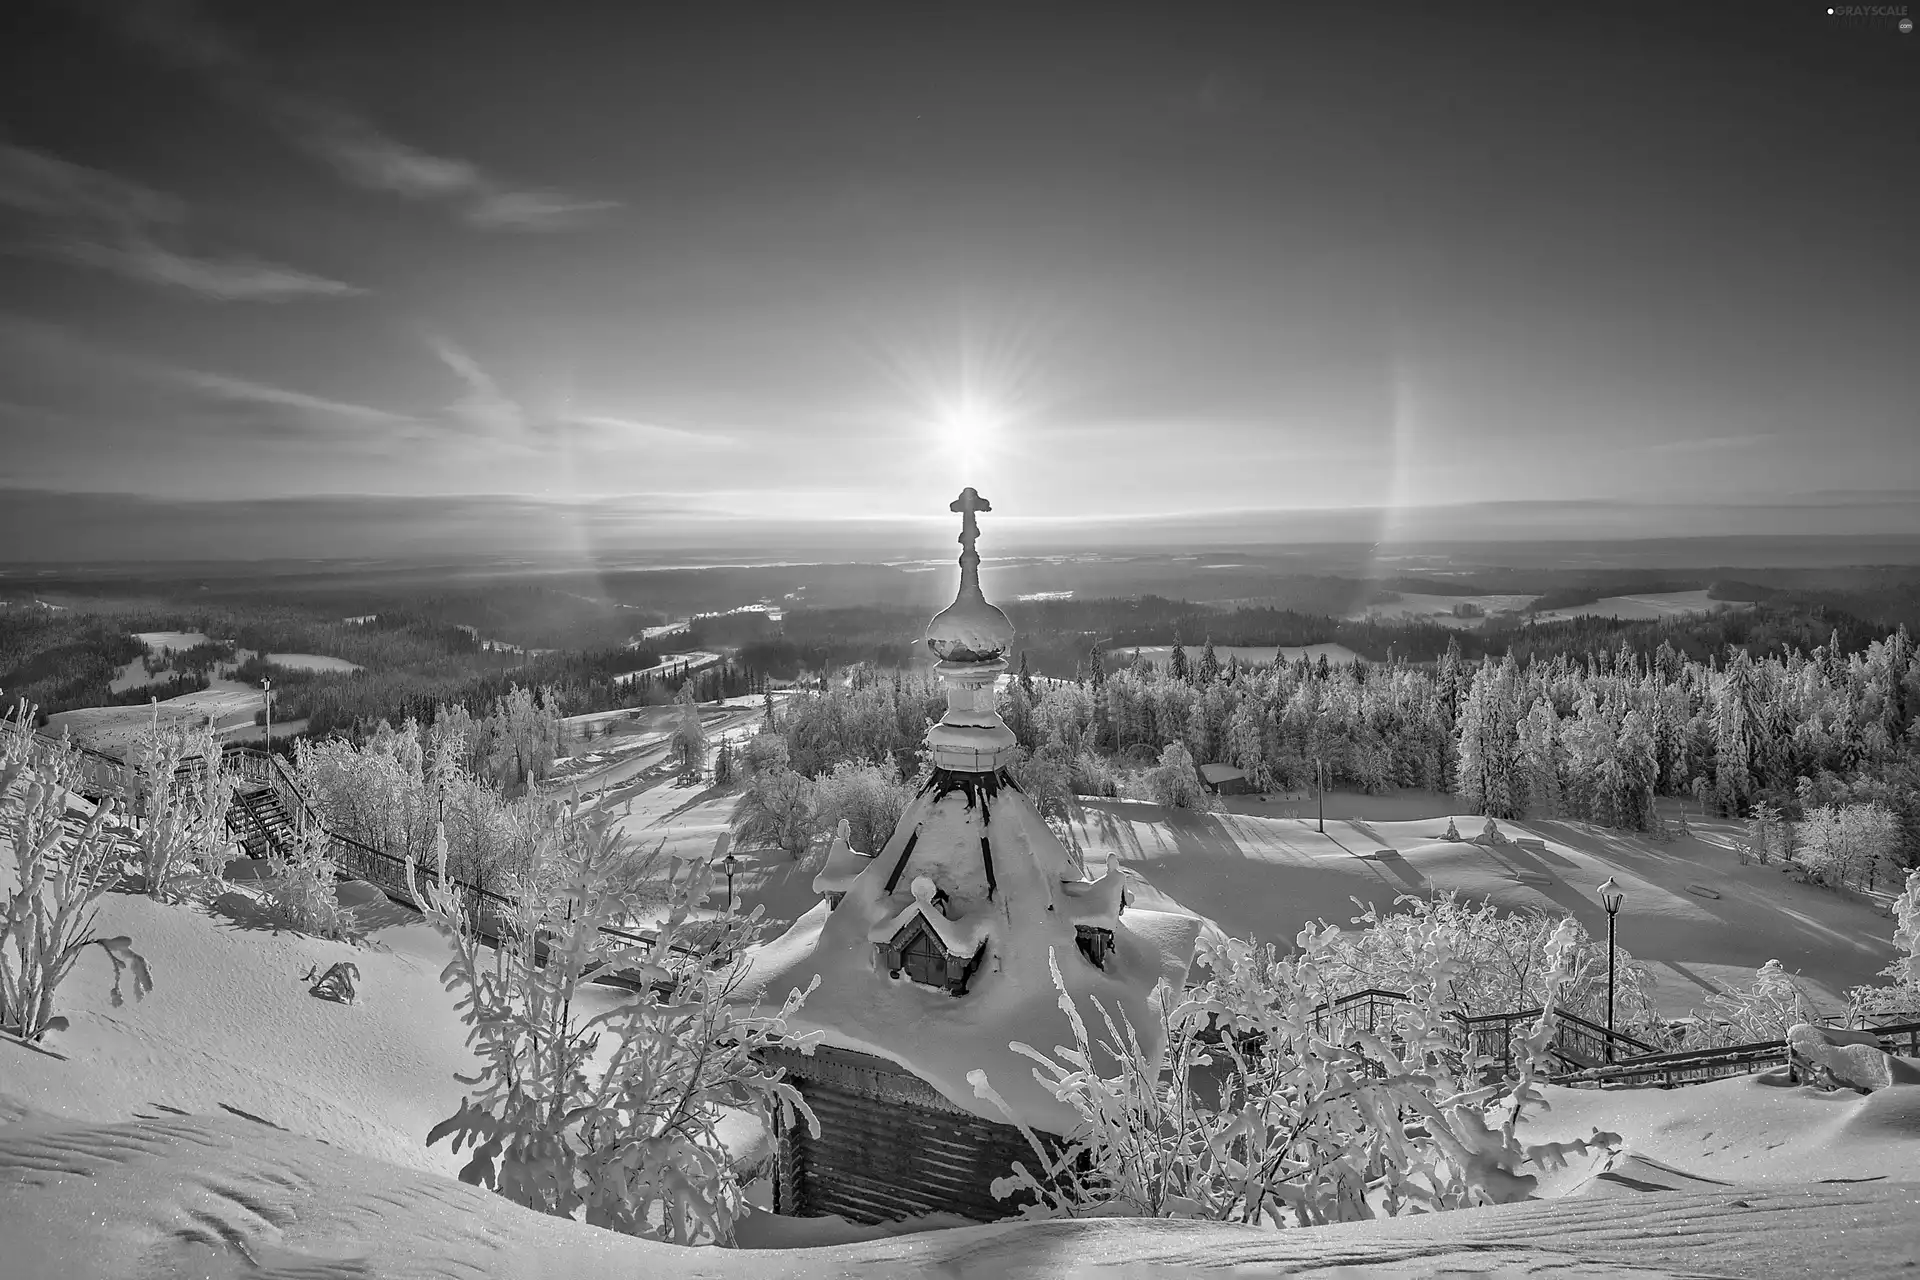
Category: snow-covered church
[935,953]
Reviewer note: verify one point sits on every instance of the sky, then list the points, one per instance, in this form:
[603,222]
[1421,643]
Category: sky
[720,269]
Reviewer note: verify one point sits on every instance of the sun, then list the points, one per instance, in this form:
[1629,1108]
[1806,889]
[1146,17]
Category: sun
[967,428]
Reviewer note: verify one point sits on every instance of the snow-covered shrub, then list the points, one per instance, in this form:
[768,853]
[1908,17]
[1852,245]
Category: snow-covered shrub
[1503,957]
[609,1117]
[869,797]
[777,809]
[1901,998]
[180,842]
[1175,781]
[1045,777]
[59,873]
[1298,1128]
[1848,844]
[300,888]
[1762,1011]
[1091,774]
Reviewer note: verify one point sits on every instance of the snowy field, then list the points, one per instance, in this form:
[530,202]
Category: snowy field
[134,675]
[1264,877]
[1249,653]
[1665,604]
[169,641]
[1439,609]
[311,662]
[115,729]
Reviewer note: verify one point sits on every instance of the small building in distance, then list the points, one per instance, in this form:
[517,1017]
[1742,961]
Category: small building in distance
[1225,780]
[936,952]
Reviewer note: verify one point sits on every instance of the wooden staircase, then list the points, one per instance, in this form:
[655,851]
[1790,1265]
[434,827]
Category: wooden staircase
[260,821]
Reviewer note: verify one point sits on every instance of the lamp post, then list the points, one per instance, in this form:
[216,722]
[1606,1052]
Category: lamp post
[266,687]
[1320,772]
[1611,896]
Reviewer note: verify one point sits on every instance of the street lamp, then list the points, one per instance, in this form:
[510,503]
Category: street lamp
[266,687]
[1611,896]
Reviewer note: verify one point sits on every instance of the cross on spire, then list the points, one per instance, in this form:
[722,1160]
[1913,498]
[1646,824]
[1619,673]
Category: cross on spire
[967,504]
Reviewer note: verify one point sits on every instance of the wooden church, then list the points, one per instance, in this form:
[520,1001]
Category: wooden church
[937,952]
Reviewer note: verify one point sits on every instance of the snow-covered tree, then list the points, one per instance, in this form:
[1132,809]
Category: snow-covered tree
[1174,781]
[689,740]
[869,797]
[61,869]
[1490,780]
[777,809]
[1848,844]
[1303,1129]
[611,1117]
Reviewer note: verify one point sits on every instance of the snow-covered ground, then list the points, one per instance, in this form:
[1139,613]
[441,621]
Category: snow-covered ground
[170,641]
[1266,876]
[311,662]
[1663,604]
[231,1125]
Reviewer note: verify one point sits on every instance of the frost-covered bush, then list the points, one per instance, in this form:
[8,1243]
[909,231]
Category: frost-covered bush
[1762,1011]
[1091,774]
[180,841]
[869,797]
[1175,782]
[1045,777]
[609,1117]
[1504,960]
[777,809]
[59,873]
[301,888]
[1848,844]
[1901,998]
[1292,1127]
[400,789]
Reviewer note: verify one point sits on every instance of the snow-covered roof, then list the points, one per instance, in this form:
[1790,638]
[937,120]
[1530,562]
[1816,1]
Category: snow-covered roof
[1218,773]
[843,863]
[1096,903]
[1036,900]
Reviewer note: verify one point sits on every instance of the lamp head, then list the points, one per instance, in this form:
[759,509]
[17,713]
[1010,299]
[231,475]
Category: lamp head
[1612,895]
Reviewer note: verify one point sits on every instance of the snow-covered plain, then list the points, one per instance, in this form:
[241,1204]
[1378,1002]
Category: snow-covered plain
[1264,877]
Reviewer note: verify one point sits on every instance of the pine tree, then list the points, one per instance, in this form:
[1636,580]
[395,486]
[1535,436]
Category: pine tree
[1026,677]
[1179,663]
[1208,672]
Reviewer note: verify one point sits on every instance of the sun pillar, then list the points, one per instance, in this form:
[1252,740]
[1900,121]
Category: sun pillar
[971,639]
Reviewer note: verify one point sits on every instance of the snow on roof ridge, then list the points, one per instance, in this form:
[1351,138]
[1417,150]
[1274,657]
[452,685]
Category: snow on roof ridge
[844,863]
[1095,903]
[961,937]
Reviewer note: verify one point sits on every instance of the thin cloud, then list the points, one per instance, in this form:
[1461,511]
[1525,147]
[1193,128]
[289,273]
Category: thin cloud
[355,147]
[485,408]
[101,220]
[628,431]
[1713,444]
[242,391]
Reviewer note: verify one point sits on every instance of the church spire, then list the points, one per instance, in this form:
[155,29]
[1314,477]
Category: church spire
[971,638]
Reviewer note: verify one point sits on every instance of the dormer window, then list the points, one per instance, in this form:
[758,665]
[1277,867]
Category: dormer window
[916,953]
[1095,944]
[924,960]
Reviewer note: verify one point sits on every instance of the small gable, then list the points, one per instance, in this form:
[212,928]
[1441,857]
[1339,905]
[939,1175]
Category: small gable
[917,953]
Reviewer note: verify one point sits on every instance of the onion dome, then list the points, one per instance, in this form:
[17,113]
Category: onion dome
[969,629]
